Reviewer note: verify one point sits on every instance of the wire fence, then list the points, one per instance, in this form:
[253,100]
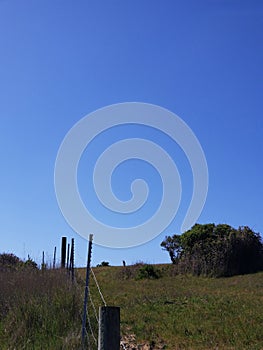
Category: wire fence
[95,299]
[91,293]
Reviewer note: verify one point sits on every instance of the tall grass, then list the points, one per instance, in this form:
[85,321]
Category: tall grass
[38,310]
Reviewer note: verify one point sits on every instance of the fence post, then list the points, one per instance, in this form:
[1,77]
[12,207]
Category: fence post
[72,259]
[54,258]
[68,256]
[43,261]
[109,328]
[63,251]
[86,293]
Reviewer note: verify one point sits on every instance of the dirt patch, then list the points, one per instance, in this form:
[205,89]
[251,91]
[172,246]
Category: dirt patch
[128,342]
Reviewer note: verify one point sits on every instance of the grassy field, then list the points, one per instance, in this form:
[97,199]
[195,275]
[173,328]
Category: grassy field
[43,310]
[186,312]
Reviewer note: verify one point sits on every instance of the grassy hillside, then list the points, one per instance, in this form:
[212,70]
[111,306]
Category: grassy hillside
[43,310]
[185,312]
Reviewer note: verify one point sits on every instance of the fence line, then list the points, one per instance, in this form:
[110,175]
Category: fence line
[101,331]
[94,309]
[91,330]
[98,287]
[84,334]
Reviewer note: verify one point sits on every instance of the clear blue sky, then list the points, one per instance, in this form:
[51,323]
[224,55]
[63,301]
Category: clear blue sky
[61,60]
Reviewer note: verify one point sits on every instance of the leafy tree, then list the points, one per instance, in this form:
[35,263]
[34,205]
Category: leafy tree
[216,250]
[174,247]
[197,234]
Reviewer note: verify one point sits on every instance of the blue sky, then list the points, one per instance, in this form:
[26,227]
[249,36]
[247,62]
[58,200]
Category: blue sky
[61,60]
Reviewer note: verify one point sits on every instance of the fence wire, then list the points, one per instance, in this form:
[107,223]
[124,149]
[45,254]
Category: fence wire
[92,317]
[94,309]
[98,287]
[91,329]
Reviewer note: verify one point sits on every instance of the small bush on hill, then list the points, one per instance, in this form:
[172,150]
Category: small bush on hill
[148,271]
[140,271]
[103,264]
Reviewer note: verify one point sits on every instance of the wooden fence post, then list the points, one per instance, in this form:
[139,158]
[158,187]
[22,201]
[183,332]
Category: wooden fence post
[54,258]
[43,266]
[109,328]
[72,259]
[63,251]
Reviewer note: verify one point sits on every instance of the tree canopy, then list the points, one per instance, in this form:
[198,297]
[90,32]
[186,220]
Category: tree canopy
[216,250]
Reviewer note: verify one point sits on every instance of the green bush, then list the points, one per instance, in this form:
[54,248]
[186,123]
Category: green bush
[148,271]
[103,264]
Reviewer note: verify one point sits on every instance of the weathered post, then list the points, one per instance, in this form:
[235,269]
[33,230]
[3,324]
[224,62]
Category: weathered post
[54,258]
[72,259]
[43,266]
[63,251]
[68,256]
[109,328]
[83,335]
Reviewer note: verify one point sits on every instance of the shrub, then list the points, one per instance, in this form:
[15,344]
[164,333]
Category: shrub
[103,264]
[148,271]
[9,261]
[138,271]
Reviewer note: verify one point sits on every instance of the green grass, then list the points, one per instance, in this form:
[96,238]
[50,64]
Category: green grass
[186,312]
[43,310]
[38,310]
